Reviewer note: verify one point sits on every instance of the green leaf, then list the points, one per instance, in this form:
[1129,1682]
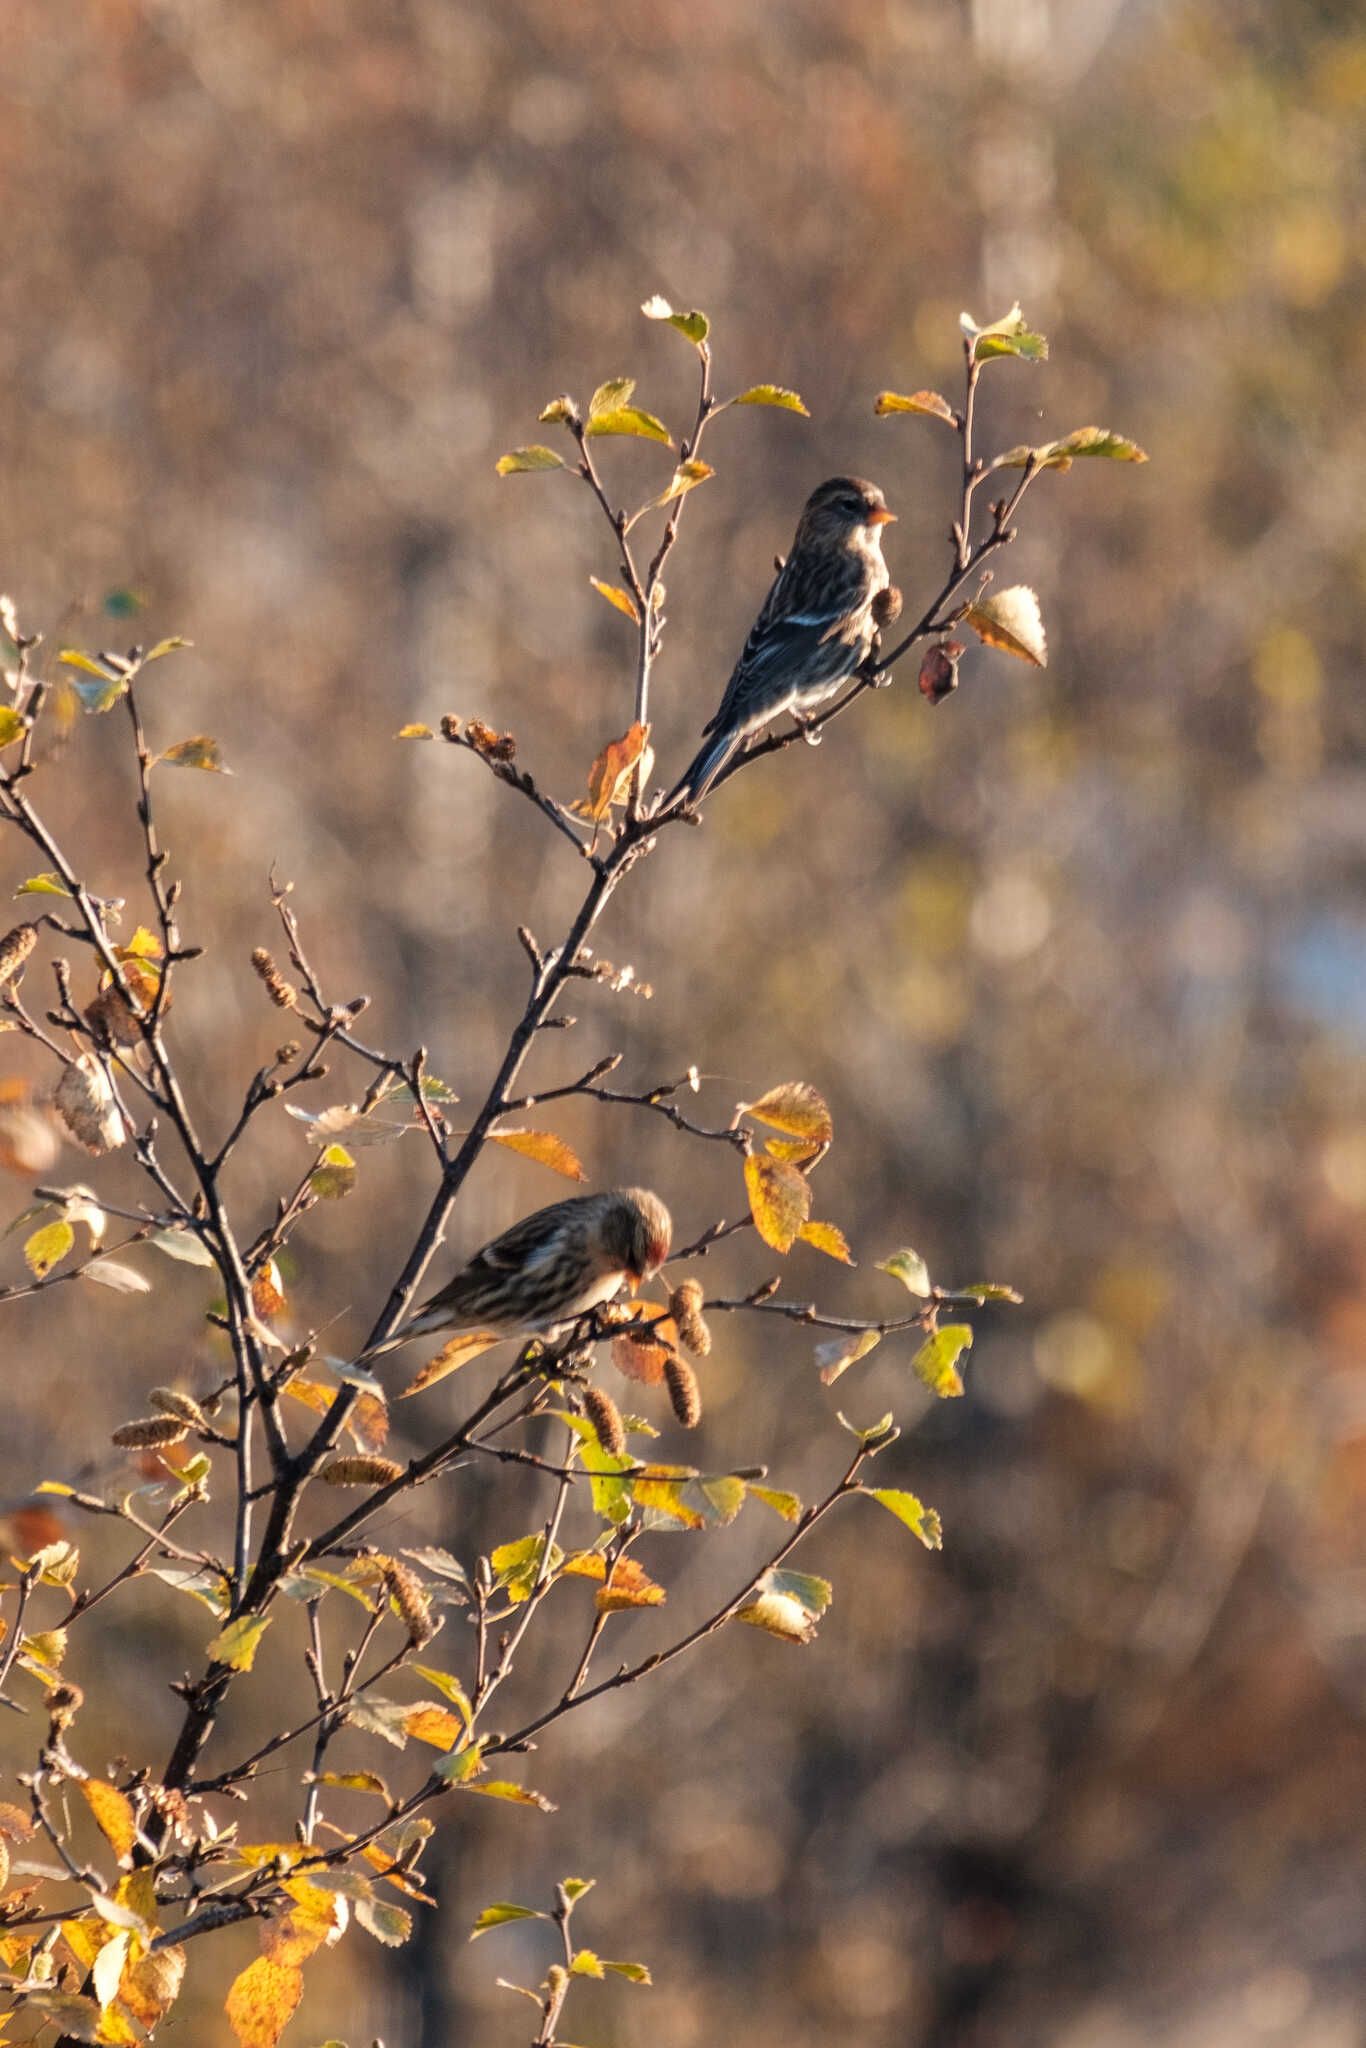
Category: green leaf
[910,1269]
[989,1290]
[1011,336]
[237,1644]
[936,1362]
[771,394]
[920,1520]
[575,1887]
[12,726]
[202,751]
[561,411]
[694,325]
[880,1433]
[634,1973]
[629,419]
[43,885]
[928,402]
[499,1914]
[47,1247]
[837,1355]
[334,1175]
[1086,441]
[518,1565]
[617,391]
[521,460]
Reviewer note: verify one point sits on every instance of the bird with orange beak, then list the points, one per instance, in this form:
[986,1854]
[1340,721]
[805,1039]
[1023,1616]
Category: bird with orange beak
[816,627]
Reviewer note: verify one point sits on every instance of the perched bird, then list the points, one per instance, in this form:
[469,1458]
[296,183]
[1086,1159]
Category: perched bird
[549,1268]
[816,627]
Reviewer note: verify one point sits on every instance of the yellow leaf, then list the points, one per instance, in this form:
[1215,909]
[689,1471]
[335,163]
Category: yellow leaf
[1011,621]
[523,459]
[936,1362]
[928,402]
[629,419]
[355,1781]
[47,1648]
[414,732]
[771,394]
[828,1238]
[12,726]
[694,324]
[622,599]
[779,1200]
[520,1795]
[113,1815]
[47,1247]
[262,2000]
[334,1175]
[796,1108]
[151,1987]
[238,1643]
[545,1148]
[611,769]
[459,1351]
[684,479]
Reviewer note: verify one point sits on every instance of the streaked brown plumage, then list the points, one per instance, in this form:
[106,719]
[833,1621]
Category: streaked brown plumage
[551,1267]
[815,628]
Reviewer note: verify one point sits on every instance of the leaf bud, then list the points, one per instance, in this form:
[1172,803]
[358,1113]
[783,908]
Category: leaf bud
[288,1052]
[450,727]
[605,1416]
[64,1702]
[281,992]
[684,1392]
[886,607]
[411,1601]
[170,1401]
[150,1433]
[685,1306]
[358,1469]
[15,948]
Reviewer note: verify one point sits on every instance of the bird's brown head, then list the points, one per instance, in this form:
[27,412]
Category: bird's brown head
[840,509]
[638,1231]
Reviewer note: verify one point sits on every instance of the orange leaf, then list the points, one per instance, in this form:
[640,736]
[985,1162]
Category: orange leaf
[798,1109]
[435,1725]
[615,595]
[779,1200]
[545,1148]
[643,1358]
[611,768]
[459,1351]
[262,2001]
[629,1586]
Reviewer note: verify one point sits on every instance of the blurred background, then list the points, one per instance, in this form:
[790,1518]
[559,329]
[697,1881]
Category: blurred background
[1078,958]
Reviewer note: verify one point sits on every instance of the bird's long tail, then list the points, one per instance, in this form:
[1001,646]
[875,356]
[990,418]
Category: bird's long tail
[706,766]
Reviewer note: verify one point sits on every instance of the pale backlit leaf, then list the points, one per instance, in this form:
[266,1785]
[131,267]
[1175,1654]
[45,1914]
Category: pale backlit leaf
[837,1355]
[693,324]
[1011,336]
[910,1269]
[120,1279]
[1010,620]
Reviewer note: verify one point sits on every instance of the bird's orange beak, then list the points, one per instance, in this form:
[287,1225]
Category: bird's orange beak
[882,517]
